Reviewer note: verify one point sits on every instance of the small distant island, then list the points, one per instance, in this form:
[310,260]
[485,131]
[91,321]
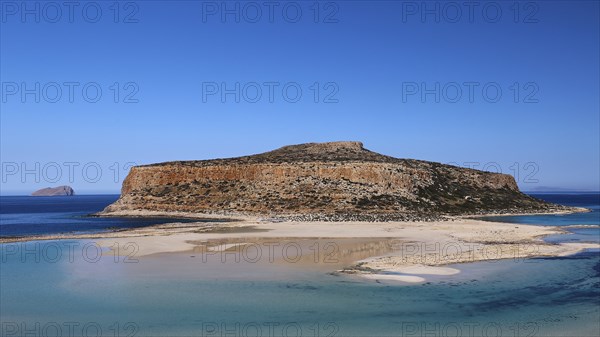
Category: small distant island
[54,191]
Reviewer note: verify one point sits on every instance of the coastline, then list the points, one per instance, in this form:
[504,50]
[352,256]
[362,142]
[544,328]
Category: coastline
[570,210]
[283,217]
[422,249]
[240,218]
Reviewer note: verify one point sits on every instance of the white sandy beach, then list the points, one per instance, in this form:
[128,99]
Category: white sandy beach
[420,249]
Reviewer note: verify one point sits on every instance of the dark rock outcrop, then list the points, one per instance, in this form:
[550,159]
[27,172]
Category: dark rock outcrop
[321,181]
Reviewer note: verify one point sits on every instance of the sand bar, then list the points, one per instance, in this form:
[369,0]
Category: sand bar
[421,247]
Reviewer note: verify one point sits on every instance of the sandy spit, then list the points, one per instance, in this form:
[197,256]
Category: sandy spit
[424,248]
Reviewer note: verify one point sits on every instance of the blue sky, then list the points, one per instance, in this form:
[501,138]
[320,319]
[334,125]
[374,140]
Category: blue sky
[371,61]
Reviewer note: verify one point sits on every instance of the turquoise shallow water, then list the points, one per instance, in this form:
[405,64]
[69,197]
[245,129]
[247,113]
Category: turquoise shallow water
[181,295]
[558,296]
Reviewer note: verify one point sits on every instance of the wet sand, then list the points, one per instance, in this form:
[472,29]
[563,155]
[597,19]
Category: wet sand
[397,249]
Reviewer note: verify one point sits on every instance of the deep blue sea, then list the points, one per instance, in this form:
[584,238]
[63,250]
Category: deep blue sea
[27,215]
[588,200]
[179,294]
[585,227]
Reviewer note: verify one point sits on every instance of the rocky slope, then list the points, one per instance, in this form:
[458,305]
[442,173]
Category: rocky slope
[321,181]
[54,191]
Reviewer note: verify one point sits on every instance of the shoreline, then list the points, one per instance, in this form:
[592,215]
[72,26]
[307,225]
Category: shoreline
[285,217]
[232,218]
[425,248]
[571,210]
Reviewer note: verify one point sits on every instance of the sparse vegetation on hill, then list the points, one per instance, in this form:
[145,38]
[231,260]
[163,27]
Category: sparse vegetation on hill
[323,181]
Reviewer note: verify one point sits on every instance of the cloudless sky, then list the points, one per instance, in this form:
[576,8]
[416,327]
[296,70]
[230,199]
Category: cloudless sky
[368,58]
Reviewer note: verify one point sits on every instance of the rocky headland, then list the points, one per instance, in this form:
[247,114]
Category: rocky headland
[338,181]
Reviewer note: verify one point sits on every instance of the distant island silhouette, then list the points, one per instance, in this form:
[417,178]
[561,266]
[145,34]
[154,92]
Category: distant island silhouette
[54,191]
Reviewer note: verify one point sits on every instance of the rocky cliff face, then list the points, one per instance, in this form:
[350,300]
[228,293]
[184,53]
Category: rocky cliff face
[334,181]
[54,191]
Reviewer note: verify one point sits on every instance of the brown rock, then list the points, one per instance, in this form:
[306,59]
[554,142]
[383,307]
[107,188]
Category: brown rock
[339,178]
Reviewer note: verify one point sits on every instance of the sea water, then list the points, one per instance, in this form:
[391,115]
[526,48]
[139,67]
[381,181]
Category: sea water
[27,215]
[181,294]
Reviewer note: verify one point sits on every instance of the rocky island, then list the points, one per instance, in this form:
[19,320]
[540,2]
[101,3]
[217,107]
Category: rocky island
[54,191]
[337,181]
[336,191]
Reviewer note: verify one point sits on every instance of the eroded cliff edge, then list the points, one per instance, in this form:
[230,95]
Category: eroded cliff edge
[321,181]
